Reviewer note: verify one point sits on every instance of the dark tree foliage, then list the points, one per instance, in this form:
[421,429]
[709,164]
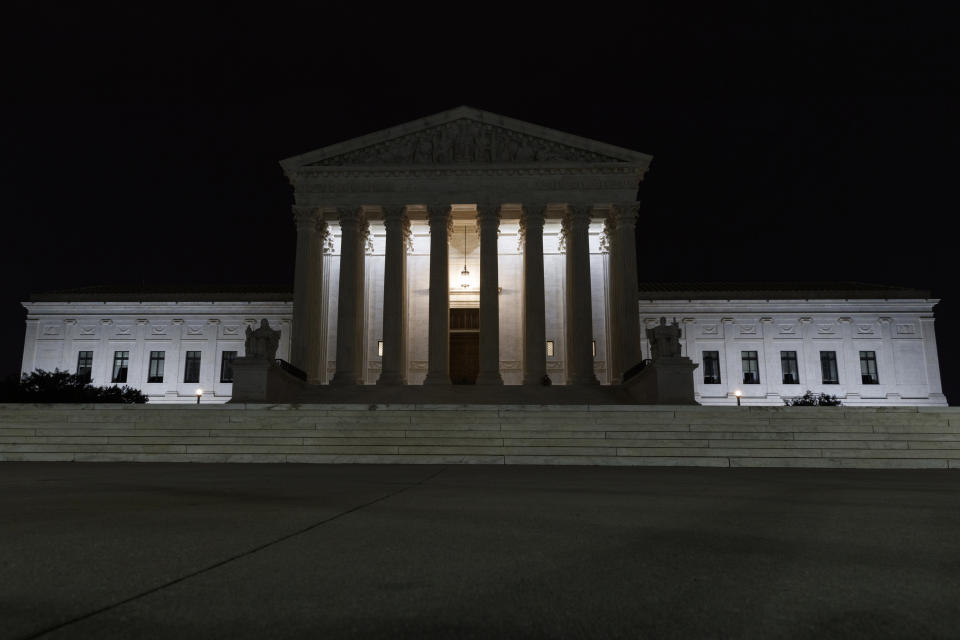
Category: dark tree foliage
[63,386]
[810,399]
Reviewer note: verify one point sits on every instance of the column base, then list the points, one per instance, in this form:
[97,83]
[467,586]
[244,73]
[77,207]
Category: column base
[493,378]
[393,379]
[437,379]
[536,380]
[343,379]
[586,381]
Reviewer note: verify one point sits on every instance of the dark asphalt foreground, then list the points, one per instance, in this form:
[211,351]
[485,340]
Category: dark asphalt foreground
[252,551]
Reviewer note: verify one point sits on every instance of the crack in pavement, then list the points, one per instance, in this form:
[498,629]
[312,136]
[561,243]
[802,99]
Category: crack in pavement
[225,561]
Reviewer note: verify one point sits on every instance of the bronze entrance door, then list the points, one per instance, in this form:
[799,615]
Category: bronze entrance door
[464,345]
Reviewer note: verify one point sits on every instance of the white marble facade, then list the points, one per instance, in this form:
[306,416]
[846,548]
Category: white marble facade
[59,328]
[899,331]
[544,222]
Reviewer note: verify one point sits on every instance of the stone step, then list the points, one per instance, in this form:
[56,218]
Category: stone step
[485,434]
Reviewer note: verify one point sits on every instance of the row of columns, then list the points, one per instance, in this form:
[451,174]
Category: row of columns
[312,234]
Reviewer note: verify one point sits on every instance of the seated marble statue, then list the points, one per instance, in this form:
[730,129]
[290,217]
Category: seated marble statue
[263,342]
[665,340]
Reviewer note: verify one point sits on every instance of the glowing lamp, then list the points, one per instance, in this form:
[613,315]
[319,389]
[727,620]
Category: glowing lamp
[465,274]
[738,393]
[199,393]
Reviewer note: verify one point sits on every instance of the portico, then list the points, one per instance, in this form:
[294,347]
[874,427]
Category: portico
[538,225]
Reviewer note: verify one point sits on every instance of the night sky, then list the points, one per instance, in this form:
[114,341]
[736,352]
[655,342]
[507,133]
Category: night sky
[142,148]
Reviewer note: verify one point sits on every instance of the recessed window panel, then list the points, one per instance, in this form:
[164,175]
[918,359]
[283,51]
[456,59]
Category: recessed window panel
[711,367]
[191,367]
[828,367]
[868,367]
[751,367]
[155,372]
[121,360]
[788,366]
[85,365]
[226,366]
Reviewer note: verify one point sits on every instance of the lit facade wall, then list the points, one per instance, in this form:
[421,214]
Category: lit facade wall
[57,331]
[899,333]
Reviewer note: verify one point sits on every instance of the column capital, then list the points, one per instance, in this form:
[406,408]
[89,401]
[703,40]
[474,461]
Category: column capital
[533,213]
[394,213]
[438,212]
[487,212]
[395,219]
[575,216]
[350,215]
[307,218]
[626,212]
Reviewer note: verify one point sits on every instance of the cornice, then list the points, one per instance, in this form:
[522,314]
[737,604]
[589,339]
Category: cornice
[407,171]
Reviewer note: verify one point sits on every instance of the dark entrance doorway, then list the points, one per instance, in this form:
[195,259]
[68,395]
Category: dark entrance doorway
[464,345]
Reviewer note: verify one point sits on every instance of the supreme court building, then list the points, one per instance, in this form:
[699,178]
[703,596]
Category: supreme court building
[466,247]
[471,248]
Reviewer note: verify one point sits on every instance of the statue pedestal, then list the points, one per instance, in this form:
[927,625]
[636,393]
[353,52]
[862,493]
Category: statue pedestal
[666,380]
[260,380]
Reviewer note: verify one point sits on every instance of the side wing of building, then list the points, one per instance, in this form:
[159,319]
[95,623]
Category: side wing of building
[167,346]
[868,351]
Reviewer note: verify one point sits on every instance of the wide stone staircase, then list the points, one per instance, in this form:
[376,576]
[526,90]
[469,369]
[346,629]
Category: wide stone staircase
[450,434]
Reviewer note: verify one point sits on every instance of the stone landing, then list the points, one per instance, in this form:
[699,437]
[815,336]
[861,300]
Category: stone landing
[586,434]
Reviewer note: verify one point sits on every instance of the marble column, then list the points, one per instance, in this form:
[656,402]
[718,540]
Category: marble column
[615,297]
[307,292]
[579,308]
[394,369]
[488,221]
[534,309]
[626,245]
[359,334]
[438,346]
[351,252]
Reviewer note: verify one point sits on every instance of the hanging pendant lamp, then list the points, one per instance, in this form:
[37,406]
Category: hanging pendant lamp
[465,275]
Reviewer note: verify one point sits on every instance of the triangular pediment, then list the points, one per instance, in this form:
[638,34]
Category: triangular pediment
[465,136]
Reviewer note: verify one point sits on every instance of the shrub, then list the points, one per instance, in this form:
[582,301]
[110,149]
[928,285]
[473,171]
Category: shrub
[811,399]
[63,386]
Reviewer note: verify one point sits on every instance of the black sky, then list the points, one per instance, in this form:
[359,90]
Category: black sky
[141,145]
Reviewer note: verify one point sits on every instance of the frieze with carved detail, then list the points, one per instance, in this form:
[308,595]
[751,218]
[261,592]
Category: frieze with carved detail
[465,141]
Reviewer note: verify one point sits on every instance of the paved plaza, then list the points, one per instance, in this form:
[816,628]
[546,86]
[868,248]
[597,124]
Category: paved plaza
[124,550]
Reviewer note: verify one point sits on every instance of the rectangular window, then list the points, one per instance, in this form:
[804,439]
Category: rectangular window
[549,348]
[751,367]
[788,364]
[191,367]
[85,365]
[120,361]
[226,366]
[711,367]
[868,367]
[593,347]
[828,366]
[380,348]
[155,373]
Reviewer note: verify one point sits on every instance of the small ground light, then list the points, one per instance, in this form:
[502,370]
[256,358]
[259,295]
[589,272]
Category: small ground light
[199,393]
[738,393]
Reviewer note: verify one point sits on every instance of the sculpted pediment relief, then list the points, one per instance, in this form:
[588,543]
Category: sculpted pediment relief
[464,141]
[465,136]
